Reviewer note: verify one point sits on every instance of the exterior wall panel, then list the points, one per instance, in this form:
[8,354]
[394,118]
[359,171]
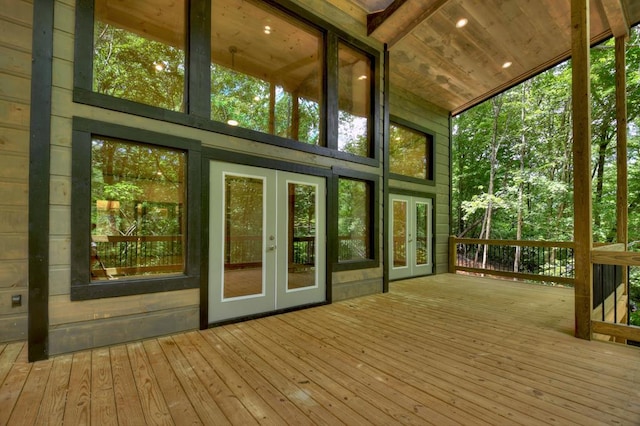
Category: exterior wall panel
[15,76]
[72,322]
[411,108]
[83,324]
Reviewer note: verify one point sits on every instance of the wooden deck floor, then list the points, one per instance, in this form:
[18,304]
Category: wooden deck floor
[439,350]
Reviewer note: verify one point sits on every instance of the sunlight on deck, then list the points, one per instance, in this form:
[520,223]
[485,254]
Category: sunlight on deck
[446,349]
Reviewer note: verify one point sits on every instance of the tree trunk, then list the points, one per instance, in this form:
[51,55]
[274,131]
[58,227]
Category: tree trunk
[495,145]
[597,217]
[520,207]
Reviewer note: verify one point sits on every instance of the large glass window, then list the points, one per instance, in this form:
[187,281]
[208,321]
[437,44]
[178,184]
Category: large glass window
[354,101]
[137,209]
[410,152]
[266,70]
[135,225]
[255,65]
[139,51]
[354,220]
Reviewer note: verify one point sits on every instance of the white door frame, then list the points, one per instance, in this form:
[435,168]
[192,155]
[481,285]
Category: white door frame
[412,267]
[275,294]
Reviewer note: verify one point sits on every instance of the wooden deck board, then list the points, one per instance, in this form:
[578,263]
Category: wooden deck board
[446,349]
[483,387]
[55,393]
[78,408]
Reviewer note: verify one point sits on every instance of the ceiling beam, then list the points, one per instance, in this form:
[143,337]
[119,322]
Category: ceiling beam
[396,21]
[617,17]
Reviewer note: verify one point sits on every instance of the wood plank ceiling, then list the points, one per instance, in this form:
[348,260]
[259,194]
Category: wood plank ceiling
[457,68]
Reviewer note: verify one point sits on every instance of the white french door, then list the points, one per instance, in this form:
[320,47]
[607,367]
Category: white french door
[267,240]
[410,236]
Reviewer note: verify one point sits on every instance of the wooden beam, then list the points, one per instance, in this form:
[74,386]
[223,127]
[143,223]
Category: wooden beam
[624,258]
[400,18]
[628,332]
[581,102]
[617,17]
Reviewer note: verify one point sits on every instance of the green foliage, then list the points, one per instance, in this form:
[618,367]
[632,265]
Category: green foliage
[145,184]
[128,66]
[353,219]
[529,146]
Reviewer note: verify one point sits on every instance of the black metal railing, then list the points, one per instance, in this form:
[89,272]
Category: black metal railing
[350,248]
[530,260]
[133,255]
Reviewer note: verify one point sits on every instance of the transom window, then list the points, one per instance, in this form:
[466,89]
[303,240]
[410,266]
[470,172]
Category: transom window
[354,101]
[140,61]
[410,152]
[246,68]
[266,70]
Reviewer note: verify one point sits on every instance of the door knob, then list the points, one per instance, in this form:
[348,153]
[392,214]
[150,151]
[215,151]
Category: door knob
[271,248]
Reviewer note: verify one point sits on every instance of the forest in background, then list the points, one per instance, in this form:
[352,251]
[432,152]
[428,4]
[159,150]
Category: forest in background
[512,174]
[512,156]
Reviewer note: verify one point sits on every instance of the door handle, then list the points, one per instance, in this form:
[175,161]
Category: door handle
[271,248]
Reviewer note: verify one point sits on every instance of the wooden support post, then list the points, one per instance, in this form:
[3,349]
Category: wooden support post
[581,102]
[453,253]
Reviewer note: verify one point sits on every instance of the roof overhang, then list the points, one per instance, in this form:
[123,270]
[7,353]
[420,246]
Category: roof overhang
[502,43]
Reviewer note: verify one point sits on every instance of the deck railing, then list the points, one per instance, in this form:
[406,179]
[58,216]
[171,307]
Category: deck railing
[549,261]
[136,255]
[614,270]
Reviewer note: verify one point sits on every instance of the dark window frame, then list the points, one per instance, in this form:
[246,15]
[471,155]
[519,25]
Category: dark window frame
[430,151]
[82,288]
[198,84]
[374,220]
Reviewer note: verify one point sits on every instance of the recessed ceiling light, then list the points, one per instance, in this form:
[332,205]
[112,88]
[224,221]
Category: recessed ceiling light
[462,22]
[232,122]
[267,29]
[506,64]
[362,77]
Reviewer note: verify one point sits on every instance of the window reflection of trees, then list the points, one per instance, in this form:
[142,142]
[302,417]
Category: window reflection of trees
[408,152]
[138,207]
[128,66]
[354,225]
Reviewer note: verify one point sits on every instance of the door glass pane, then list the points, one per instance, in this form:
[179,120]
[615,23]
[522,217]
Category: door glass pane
[243,234]
[422,230]
[399,233]
[301,236]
